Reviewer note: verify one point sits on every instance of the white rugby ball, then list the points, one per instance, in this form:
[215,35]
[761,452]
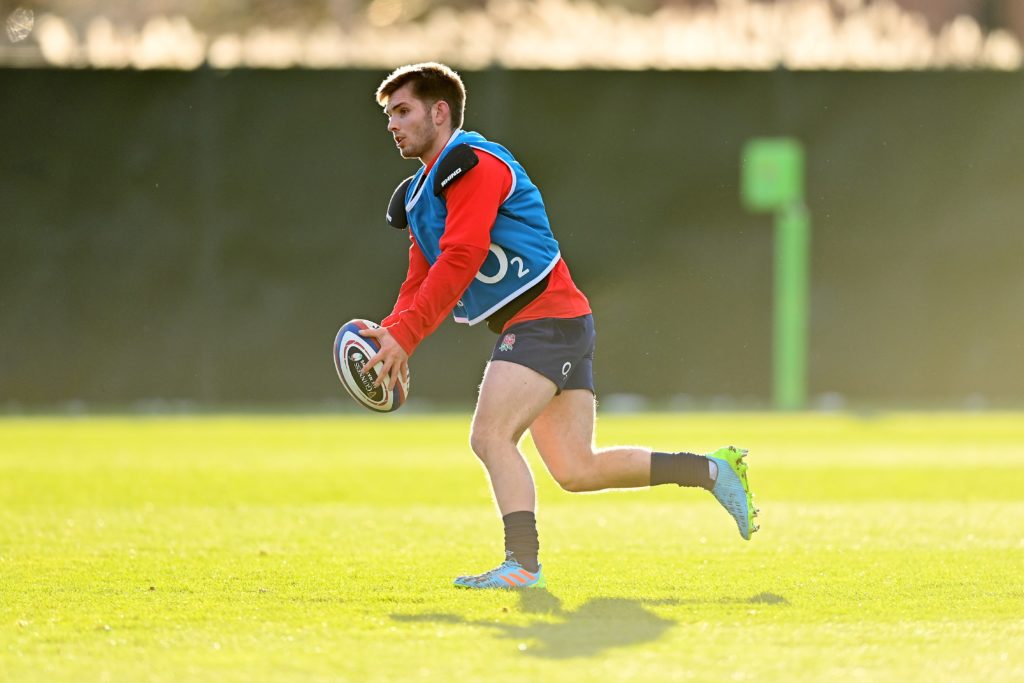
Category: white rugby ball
[351,352]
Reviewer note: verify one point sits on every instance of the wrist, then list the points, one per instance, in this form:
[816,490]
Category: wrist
[402,336]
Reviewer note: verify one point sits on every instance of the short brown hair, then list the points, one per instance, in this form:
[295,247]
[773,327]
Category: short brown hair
[431,82]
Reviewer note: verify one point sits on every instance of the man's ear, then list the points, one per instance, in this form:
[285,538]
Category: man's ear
[442,112]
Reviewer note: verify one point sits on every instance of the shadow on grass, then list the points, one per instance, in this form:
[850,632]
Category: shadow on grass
[595,626]
[759,599]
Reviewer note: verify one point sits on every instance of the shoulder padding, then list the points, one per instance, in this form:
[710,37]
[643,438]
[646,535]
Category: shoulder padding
[396,207]
[455,164]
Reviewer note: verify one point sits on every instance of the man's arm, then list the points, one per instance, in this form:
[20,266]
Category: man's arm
[414,277]
[418,268]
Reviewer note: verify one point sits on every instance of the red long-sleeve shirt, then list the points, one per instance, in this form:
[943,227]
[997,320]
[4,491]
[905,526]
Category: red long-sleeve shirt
[429,293]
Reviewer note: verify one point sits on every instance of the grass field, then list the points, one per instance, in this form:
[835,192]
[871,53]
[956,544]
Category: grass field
[316,549]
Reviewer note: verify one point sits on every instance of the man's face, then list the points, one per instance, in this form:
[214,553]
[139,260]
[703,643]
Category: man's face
[411,123]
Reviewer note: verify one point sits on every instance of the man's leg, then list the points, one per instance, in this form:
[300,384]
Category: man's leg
[511,397]
[564,436]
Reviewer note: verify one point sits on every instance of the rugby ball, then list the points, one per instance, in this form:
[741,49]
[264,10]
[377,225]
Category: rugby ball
[351,351]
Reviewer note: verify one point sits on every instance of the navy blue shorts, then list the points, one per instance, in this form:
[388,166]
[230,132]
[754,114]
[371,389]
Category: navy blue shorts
[561,349]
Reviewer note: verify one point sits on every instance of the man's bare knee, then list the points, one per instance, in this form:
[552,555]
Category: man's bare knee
[480,442]
[486,441]
[576,474]
[575,484]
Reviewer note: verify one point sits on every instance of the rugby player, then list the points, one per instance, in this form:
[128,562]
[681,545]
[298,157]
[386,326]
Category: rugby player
[482,249]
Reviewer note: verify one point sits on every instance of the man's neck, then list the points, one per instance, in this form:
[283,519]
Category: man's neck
[428,159]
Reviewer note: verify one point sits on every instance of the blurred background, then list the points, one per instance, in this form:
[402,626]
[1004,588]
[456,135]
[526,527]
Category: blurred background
[193,194]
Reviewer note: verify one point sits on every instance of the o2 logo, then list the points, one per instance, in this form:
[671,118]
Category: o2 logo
[504,262]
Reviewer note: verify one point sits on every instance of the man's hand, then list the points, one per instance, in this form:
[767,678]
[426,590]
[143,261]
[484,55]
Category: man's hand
[394,357]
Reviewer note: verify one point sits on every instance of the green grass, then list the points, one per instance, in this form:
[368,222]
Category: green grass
[306,549]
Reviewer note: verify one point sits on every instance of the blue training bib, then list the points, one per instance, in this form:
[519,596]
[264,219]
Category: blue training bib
[522,252]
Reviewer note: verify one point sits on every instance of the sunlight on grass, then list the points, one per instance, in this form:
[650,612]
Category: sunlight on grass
[250,548]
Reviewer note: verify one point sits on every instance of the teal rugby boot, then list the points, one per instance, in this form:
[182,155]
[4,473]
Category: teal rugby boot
[509,575]
[732,489]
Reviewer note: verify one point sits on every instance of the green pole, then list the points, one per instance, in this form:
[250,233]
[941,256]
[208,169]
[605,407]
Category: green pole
[792,252]
[773,180]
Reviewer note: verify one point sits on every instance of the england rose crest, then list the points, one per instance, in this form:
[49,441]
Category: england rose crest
[508,342]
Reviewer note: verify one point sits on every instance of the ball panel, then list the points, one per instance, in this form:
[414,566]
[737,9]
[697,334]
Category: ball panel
[354,351]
